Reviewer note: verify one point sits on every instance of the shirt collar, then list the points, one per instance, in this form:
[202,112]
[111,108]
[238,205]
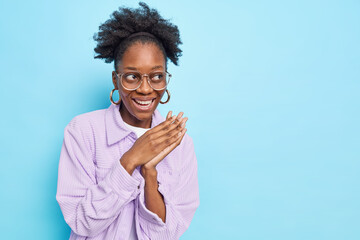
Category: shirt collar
[115,127]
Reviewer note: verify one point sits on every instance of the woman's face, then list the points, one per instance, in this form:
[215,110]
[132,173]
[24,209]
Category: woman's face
[143,58]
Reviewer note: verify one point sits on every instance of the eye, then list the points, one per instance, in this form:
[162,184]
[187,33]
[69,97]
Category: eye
[131,77]
[157,77]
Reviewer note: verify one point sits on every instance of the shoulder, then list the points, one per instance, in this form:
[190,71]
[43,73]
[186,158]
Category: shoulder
[87,127]
[86,121]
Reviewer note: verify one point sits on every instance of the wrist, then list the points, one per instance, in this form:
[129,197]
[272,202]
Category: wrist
[148,172]
[127,164]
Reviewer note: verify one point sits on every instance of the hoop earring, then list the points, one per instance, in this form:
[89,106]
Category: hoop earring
[168,93]
[111,100]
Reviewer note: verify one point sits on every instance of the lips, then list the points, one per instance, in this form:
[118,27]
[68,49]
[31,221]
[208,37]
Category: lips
[143,104]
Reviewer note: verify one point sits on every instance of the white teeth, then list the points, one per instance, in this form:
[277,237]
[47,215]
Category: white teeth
[143,102]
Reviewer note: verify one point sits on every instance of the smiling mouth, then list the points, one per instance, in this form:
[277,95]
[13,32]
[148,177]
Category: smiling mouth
[144,104]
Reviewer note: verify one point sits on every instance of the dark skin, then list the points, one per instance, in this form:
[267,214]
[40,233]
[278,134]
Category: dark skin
[153,146]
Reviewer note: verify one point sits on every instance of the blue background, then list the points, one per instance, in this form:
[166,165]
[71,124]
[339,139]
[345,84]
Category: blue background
[271,89]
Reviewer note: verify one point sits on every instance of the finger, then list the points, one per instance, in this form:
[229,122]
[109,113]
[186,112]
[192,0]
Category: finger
[163,127]
[184,122]
[168,139]
[176,143]
[168,115]
[167,133]
[181,136]
[167,149]
[179,116]
[176,127]
[165,124]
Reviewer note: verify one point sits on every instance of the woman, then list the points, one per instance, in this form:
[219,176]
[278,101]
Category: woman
[126,172]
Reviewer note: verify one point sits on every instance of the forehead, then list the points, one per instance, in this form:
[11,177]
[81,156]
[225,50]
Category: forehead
[142,56]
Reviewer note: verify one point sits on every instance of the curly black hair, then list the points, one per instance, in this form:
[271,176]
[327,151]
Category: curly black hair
[113,36]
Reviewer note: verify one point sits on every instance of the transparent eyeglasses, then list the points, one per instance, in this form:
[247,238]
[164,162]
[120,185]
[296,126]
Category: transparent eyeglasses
[132,80]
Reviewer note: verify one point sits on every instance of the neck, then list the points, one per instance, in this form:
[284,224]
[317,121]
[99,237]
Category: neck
[131,120]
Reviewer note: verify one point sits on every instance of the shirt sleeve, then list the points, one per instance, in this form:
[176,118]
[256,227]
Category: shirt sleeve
[181,201]
[88,206]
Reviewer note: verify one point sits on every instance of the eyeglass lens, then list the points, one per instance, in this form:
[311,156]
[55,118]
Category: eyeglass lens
[132,80]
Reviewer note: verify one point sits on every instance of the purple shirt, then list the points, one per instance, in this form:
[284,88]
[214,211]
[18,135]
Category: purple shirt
[98,197]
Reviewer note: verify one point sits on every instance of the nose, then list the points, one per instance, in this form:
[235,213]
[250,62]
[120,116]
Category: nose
[144,88]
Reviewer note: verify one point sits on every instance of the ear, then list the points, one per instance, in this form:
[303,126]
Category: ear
[114,80]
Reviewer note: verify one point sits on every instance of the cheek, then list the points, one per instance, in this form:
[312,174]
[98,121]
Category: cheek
[125,96]
[124,92]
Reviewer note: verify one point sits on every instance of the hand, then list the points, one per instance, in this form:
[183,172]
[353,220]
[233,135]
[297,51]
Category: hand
[153,162]
[166,135]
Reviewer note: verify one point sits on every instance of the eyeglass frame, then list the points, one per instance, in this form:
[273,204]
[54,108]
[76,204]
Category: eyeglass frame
[141,80]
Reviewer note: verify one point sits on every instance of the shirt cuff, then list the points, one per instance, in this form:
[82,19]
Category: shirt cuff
[121,181]
[146,213]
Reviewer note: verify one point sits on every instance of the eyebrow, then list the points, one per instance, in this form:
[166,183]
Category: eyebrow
[156,67]
[153,68]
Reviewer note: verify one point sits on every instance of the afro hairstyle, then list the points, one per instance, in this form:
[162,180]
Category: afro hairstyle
[113,36]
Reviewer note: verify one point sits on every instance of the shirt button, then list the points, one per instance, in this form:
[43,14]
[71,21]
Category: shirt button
[139,187]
